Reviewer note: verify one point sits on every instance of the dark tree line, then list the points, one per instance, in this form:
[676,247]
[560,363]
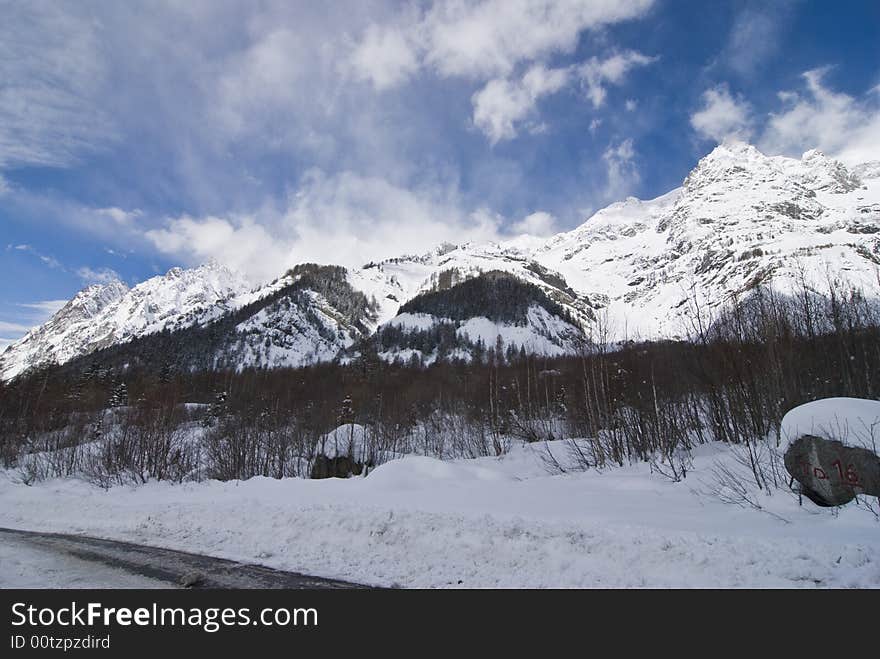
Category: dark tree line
[498,296]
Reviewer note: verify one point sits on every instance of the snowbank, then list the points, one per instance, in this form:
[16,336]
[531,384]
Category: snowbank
[490,522]
[853,421]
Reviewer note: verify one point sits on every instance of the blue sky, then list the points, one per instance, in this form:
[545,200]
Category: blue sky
[138,136]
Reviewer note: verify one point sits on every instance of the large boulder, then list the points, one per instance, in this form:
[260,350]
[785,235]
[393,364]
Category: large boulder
[830,473]
[830,447]
[343,452]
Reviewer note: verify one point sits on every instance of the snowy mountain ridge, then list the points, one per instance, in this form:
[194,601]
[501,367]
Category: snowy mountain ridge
[102,315]
[740,219]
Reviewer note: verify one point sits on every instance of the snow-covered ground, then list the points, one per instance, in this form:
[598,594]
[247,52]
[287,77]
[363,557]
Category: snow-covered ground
[24,565]
[489,522]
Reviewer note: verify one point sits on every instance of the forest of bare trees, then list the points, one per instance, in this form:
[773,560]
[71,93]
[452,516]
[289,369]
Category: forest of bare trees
[731,380]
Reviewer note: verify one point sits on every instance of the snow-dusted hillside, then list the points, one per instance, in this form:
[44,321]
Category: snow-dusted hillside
[395,281]
[739,219]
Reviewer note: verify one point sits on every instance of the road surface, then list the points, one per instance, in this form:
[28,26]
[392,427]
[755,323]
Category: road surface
[30,559]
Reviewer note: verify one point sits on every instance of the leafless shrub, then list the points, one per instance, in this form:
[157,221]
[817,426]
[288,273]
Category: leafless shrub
[733,485]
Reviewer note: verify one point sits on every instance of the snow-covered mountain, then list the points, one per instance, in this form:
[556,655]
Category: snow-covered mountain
[739,219]
[107,314]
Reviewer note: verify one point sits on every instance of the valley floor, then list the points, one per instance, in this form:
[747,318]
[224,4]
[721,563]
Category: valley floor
[491,522]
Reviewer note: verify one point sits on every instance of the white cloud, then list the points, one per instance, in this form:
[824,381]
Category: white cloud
[386,57]
[239,242]
[120,216]
[631,104]
[97,275]
[265,80]
[596,74]
[722,116]
[539,224]
[503,103]
[50,261]
[836,123]
[345,218]
[231,101]
[621,169]
[491,37]
[485,39]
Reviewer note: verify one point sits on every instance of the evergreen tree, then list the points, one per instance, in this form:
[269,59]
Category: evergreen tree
[119,397]
[217,410]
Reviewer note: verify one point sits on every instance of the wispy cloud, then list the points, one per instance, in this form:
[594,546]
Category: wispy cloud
[722,116]
[597,73]
[120,216]
[622,171]
[52,76]
[97,275]
[50,261]
[44,308]
[341,218]
[25,316]
[754,35]
[7,327]
[502,103]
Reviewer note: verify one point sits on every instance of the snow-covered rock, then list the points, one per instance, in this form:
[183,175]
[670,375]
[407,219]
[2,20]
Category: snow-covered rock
[852,421]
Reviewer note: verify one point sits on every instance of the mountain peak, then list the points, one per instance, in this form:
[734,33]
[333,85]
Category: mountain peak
[733,151]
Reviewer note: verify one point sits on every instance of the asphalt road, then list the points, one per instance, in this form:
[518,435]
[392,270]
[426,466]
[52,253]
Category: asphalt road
[174,568]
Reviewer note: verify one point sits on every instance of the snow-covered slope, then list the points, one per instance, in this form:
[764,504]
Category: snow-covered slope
[739,219]
[395,281]
[541,333]
[505,522]
[495,310]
